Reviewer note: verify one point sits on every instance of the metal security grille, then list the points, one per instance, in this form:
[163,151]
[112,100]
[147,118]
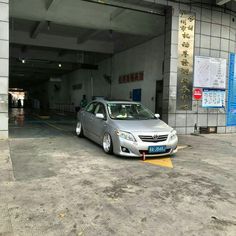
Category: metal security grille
[154,138]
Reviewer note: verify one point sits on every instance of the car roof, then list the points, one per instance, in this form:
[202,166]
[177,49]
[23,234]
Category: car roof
[117,101]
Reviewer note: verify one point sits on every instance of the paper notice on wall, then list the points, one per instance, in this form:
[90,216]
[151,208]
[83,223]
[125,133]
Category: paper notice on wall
[213,98]
[210,72]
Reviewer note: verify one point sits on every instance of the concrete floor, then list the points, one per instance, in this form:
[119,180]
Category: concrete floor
[52,183]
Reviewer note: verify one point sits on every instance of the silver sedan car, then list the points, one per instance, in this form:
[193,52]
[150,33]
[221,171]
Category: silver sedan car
[126,129]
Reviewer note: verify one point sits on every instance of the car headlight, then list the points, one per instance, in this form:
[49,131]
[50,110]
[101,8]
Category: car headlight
[173,134]
[125,135]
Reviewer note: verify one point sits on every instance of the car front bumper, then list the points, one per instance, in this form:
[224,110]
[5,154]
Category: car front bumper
[138,149]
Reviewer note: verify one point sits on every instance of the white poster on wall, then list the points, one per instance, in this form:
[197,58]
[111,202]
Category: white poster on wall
[210,72]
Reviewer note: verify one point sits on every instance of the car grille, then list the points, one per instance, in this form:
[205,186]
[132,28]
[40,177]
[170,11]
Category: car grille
[153,139]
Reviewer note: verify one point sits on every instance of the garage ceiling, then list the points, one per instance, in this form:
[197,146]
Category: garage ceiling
[74,33]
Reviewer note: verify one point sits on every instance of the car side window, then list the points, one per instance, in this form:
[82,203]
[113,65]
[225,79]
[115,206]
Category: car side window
[100,109]
[91,107]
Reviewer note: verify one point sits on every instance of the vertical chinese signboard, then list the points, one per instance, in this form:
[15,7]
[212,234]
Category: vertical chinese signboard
[185,61]
[231,111]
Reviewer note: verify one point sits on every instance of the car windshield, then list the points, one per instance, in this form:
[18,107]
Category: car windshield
[129,111]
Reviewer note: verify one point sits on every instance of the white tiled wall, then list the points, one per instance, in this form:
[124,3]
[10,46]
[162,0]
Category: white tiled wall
[4,30]
[3,85]
[215,36]
[4,49]
[4,67]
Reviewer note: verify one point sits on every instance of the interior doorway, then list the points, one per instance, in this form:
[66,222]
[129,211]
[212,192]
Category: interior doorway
[17,98]
[159,97]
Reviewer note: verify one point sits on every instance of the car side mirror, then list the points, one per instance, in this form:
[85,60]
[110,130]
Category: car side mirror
[157,116]
[100,116]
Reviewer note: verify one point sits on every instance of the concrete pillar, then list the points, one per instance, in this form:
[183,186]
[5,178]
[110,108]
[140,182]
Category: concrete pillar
[4,67]
[170,66]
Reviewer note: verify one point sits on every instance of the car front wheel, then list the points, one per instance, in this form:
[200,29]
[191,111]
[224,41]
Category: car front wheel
[107,143]
[79,130]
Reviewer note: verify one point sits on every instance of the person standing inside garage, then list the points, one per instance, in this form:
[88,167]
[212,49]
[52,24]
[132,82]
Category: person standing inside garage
[83,102]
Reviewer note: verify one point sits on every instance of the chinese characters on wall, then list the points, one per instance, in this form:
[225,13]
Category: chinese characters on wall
[132,77]
[185,61]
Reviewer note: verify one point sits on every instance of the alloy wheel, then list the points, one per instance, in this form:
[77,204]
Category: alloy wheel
[107,143]
[78,129]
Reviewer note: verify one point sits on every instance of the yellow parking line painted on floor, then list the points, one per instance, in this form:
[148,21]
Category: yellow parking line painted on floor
[49,124]
[53,126]
[165,162]
[44,117]
[40,117]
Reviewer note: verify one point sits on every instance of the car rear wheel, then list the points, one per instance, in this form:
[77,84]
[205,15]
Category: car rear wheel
[107,144]
[79,130]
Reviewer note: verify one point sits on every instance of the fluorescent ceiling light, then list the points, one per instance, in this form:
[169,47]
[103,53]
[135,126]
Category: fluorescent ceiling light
[222,2]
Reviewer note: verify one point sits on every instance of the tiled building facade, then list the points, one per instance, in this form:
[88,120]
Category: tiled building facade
[215,31]
[4,67]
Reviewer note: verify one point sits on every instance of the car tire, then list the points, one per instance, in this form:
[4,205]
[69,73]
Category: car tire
[107,143]
[79,130]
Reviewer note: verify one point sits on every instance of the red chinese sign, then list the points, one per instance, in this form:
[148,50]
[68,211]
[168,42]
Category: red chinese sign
[132,77]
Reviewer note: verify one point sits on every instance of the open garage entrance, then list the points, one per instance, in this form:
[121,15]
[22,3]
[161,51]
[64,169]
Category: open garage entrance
[54,183]
[66,49]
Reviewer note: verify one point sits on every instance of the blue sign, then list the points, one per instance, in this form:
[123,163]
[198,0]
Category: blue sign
[231,110]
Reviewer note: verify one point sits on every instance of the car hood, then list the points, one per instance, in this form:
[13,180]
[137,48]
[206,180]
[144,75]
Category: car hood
[142,125]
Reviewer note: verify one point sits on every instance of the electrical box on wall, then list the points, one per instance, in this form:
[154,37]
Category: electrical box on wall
[137,95]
